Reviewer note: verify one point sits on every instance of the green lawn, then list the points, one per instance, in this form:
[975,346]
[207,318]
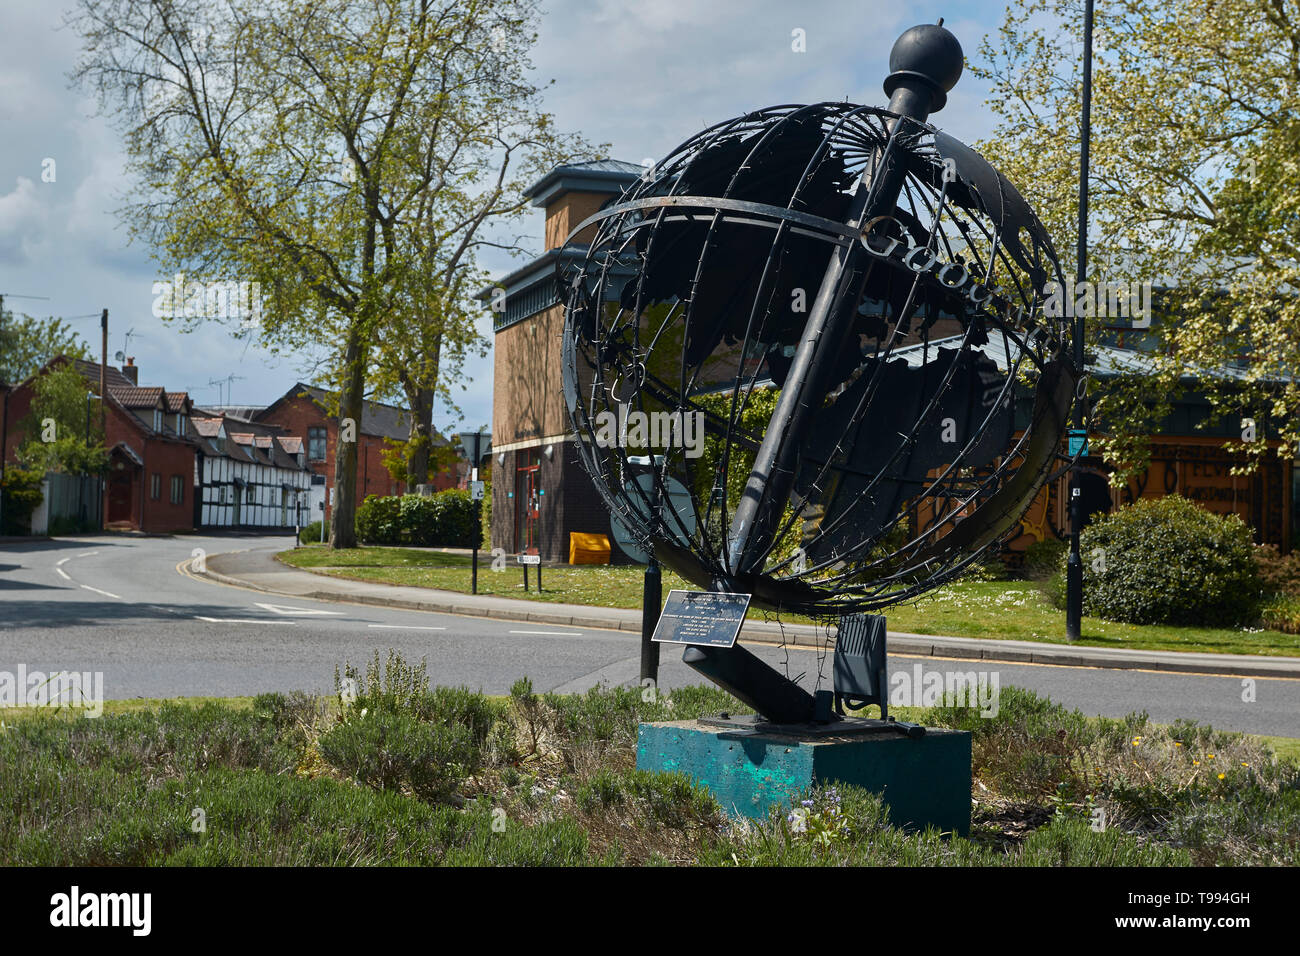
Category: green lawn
[1014,610]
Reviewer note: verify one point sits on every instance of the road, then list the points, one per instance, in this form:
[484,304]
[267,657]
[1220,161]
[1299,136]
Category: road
[119,605]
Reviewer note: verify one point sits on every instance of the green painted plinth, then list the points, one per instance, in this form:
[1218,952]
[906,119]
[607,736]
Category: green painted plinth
[923,782]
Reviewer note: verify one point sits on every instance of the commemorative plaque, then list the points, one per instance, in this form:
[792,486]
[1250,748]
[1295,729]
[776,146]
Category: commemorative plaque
[710,618]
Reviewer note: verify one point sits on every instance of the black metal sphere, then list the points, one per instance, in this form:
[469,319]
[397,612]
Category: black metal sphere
[943,403]
[929,53]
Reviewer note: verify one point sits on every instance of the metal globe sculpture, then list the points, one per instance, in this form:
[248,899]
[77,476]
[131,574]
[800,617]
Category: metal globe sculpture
[825,325]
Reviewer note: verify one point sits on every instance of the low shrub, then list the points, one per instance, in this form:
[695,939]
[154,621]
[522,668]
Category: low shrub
[1278,573]
[1282,613]
[312,533]
[399,686]
[20,495]
[122,789]
[395,750]
[1042,558]
[1169,561]
[379,521]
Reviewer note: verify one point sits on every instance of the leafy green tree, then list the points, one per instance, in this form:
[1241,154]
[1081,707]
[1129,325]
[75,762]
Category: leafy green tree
[310,147]
[61,431]
[397,454]
[27,343]
[1194,186]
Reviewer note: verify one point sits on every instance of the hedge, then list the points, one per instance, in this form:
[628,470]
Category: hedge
[1169,561]
[448,519]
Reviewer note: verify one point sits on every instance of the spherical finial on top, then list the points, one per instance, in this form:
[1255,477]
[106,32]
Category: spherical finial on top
[926,59]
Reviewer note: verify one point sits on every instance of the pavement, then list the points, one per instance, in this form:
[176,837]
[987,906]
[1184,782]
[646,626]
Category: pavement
[259,570]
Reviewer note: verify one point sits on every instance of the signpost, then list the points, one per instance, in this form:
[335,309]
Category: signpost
[680,524]
[531,559]
[476,445]
[1074,562]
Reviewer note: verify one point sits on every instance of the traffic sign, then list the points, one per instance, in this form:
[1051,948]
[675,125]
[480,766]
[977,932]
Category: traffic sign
[678,502]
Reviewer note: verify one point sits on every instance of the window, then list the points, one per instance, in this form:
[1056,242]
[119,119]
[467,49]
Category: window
[316,443]
[250,496]
[155,486]
[157,420]
[180,424]
[178,489]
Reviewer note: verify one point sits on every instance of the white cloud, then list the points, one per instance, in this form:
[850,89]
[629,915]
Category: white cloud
[22,222]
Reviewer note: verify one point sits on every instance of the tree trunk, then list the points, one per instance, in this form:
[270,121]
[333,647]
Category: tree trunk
[343,529]
[417,460]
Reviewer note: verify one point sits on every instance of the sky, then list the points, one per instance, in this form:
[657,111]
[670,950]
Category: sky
[639,75]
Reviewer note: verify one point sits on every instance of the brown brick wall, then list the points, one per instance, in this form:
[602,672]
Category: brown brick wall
[166,459]
[563,215]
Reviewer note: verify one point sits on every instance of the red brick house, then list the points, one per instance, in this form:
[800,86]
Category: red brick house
[151,469]
[303,410]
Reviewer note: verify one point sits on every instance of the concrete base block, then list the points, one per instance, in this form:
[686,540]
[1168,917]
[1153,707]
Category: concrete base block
[924,781]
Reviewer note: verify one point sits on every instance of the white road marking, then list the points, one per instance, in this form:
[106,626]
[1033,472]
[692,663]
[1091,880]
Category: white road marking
[59,563]
[242,620]
[105,593]
[297,611]
[85,554]
[407,627]
[551,633]
[63,574]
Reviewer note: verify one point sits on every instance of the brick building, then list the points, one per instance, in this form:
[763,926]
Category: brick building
[304,411]
[151,467]
[539,491]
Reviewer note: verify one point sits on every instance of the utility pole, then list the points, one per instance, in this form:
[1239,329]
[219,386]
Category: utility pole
[103,413]
[103,372]
[1074,563]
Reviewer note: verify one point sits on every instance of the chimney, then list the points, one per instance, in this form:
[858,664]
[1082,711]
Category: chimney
[131,370]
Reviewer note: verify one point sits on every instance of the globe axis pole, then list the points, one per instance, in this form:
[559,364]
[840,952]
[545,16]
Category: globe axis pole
[925,64]
[1074,563]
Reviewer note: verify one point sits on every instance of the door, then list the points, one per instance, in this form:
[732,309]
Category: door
[119,496]
[527,507]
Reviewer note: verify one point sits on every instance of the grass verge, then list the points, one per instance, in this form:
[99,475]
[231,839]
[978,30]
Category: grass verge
[1008,610]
